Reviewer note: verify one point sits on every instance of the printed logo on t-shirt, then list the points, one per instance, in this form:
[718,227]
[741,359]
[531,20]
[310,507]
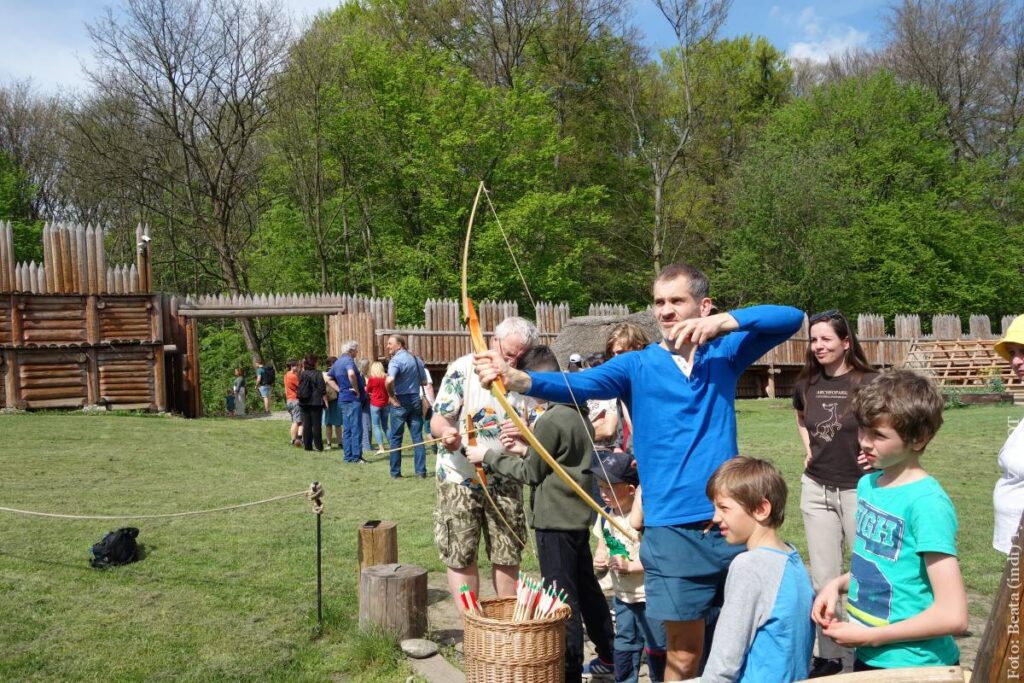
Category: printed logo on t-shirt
[881,532]
[870,596]
[827,428]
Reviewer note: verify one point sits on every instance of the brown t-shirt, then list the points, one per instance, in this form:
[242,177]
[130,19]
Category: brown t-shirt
[832,428]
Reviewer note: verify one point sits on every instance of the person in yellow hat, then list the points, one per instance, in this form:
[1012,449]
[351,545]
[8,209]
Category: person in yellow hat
[1008,497]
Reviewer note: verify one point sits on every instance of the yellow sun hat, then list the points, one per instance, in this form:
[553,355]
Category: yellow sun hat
[1014,335]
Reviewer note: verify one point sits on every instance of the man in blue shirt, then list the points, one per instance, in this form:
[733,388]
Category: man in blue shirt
[350,389]
[405,376]
[680,394]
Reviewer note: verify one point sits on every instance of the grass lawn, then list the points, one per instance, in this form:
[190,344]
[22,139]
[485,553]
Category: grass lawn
[231,596]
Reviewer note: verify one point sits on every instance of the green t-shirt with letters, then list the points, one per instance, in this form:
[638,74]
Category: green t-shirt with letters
[888,577]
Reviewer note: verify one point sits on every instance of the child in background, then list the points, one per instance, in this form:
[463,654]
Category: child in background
[906,594]
[560,519]
[764,632]
[634,632]
[378,394]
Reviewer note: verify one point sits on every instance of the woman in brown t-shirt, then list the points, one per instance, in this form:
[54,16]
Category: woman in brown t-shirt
[835,367]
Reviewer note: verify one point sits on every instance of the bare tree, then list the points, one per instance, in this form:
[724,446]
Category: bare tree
[195,77]
[665,123]
[963,51]
[488,36]
[32,135]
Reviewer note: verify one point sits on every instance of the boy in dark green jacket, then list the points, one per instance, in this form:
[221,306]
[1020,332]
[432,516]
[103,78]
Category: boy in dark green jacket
[559,518]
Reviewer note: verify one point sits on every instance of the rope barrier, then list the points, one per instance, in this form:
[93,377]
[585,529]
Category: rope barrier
[413,445]
[305,493]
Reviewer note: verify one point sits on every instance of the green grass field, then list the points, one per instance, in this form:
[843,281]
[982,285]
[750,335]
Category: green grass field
[231,596]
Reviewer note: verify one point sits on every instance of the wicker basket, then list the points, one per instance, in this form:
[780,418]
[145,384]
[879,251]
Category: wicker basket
[498,650]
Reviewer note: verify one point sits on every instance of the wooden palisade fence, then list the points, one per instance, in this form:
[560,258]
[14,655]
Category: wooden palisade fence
[74,332]
[443,337]
[74,262]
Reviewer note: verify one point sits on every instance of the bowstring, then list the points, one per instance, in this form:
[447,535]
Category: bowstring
[565,378]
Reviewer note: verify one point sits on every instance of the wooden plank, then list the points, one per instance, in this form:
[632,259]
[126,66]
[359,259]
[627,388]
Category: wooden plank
[998,657]
[927,674]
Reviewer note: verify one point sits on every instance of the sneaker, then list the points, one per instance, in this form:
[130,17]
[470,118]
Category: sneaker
[825,667]
[595,667]
[422,475]
[396,476]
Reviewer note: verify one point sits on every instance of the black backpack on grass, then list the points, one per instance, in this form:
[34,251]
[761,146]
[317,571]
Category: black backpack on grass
[116,548]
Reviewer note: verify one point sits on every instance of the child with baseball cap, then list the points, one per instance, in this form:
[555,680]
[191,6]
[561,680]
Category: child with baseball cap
[635,632]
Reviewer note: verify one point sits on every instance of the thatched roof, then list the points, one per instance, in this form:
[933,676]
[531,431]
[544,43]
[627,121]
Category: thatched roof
[589,333]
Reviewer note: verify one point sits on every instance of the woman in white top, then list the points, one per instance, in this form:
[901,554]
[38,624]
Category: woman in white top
[1008,498]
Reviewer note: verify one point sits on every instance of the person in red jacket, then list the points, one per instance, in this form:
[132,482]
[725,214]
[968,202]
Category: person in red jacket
[378,392]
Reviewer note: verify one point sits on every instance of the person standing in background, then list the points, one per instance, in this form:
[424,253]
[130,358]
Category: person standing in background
[291,398]
[332,413]
[239,390]
[378,393]
[364,402]
[1008,496]
[312,400]
[403,384]
[835,366]
[265,378]
[350,384]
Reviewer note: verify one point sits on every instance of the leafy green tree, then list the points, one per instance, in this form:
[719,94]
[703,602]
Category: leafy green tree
[852,199]
[16,195]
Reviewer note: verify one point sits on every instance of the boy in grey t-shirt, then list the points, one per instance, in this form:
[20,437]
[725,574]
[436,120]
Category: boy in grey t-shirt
[764,632]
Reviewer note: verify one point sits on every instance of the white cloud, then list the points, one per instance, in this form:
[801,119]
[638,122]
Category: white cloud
[810,23]
[833,44]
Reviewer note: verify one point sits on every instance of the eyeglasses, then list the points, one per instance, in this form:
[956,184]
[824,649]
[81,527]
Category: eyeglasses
[831,314]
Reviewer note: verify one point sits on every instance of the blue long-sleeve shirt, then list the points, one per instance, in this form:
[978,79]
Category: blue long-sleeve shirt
[683,428]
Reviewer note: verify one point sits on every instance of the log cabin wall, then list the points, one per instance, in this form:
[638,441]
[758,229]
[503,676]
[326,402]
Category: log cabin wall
[70,351]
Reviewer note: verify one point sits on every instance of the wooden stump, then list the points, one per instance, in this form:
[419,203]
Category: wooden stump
[378,544]
[394,597]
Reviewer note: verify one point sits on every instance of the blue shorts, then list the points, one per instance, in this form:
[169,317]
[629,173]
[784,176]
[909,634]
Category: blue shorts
[265,390]
[684,570]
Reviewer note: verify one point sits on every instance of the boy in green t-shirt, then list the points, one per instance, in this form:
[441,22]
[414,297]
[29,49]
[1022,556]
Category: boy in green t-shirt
[906,595]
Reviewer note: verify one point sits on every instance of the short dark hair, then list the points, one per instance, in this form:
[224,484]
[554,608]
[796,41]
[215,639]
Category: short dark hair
[540,358]
[400,339]
[700,286]
[310,361]
[749,481]
[909,402]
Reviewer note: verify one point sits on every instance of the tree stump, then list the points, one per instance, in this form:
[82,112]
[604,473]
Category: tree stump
[378,544]
[394,597]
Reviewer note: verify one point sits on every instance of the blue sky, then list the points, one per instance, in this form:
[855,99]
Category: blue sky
[46,40]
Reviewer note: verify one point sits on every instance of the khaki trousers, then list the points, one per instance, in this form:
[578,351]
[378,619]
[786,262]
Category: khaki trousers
[830,522]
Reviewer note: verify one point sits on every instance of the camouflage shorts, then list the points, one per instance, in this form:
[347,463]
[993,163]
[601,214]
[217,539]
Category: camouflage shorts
[462,513]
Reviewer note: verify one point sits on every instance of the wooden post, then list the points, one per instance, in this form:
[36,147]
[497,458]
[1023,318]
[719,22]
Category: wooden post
[17,313]
[378,544]
[394,597]
[192,368]
[67,267]
[999,654]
